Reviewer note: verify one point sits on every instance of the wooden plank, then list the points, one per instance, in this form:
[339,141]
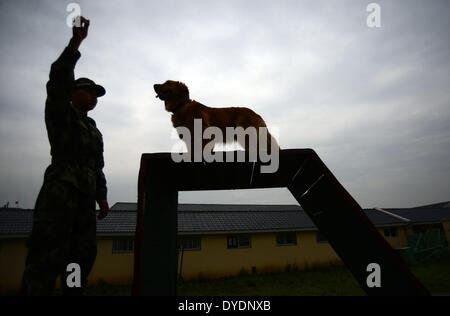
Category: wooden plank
[351,234]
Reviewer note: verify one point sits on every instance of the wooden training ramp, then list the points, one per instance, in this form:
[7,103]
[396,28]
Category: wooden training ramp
[332,209]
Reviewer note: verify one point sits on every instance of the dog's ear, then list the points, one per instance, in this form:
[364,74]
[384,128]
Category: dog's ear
[183,89]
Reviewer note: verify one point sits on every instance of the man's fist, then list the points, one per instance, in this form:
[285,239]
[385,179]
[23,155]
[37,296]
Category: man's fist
[80,28]
[104,209]
[79,32]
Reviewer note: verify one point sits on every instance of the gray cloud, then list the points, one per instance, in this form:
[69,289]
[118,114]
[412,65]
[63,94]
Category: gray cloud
[374,103]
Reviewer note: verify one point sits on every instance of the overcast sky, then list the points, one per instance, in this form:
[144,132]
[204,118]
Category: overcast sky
[373,102]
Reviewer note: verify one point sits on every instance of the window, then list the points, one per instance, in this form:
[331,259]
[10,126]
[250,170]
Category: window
[286,239]
[123,245]
[321,238]
[238,242]
[190,243]
[390,232]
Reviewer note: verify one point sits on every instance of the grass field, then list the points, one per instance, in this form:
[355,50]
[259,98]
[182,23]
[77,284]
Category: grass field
[329,281]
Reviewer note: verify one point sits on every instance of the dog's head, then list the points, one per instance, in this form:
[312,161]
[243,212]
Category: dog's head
[174,94]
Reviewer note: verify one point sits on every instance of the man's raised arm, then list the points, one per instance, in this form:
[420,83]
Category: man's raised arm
[59,86]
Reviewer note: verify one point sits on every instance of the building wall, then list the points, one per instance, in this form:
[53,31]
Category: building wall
[215,260]
[12,263]
[399,241]
[112,268]
[115,268]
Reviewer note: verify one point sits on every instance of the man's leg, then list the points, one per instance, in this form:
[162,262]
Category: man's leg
[48,243]
[83,247]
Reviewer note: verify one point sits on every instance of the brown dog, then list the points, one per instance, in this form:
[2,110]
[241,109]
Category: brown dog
[175,95]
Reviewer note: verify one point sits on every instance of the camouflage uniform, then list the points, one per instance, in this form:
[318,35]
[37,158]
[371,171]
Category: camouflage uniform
[64,223]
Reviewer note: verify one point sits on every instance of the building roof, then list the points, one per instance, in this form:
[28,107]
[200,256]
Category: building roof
[128,206]
[15,221]
[436,205]
[213,218]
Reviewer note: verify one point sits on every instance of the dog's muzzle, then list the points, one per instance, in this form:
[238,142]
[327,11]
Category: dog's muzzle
[159,94]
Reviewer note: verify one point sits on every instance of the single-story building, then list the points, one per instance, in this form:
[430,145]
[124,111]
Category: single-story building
[218,240]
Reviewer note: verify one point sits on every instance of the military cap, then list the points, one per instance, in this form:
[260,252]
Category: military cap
[81,83]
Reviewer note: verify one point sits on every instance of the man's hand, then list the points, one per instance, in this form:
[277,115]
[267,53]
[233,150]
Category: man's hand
[104,209]
[79,33]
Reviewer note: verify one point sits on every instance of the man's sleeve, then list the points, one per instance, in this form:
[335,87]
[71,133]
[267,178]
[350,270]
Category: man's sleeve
[101,186]
[61,81]
[102,190]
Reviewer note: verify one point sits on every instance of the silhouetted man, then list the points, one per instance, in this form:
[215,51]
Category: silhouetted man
[64,224]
